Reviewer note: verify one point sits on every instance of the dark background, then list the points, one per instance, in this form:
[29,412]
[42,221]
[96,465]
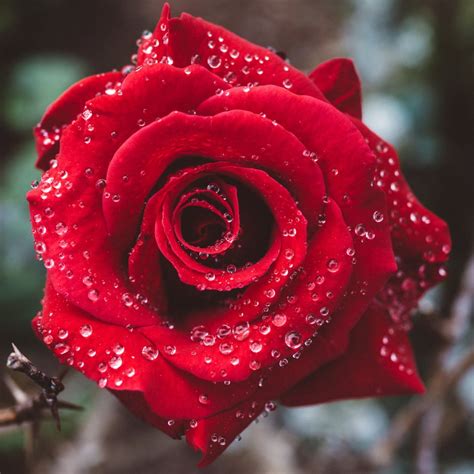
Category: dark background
[416,62]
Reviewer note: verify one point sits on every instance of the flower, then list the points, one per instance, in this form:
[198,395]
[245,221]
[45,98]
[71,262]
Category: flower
[221,231]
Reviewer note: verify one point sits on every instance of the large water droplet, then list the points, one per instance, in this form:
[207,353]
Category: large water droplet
[149,352]
[214,61]
[85,330]
[293,339]
[115,362]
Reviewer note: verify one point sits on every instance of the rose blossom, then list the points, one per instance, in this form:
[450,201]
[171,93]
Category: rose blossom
[221,231]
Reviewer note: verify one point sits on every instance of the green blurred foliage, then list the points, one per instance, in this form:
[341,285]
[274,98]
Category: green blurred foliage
[34,83]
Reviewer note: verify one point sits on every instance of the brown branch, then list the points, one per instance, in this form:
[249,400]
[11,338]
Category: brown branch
[32,408]
[406,420]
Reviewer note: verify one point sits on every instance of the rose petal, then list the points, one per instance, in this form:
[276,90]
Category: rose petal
[188,40]
[339,82]
[64,110]
[213,435]
[379,361]
[123,359]
[421,239]
[137,404]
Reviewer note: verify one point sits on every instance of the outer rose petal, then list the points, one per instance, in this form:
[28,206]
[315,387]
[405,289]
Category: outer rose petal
[213,435]
[339,82]
[379,361]
[126,360]
[186,40]
[421,240]
[64,110]
[137,404]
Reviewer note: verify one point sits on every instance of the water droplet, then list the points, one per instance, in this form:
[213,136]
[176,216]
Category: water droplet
[333,265]
[226,348]
[254,365]
[270,293]
[279,320]
[203,399]
[289,254]
[119,349]
[241,331]
[93,295]
[255,346]
[231,268]
[87,114]
[214,61]
[170,350]
[394,187]
[61,348]
[149,352]
[61,229]
[293,339]
[127,300]
[115,362]
[270,406]
[377,216]
[85,330]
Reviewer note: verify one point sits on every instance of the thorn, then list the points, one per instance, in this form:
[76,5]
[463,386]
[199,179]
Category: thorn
[63,373]
[16,360]
[29,408]
[68,405]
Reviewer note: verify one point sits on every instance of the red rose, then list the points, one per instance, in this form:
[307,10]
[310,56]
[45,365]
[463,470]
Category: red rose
[221,231]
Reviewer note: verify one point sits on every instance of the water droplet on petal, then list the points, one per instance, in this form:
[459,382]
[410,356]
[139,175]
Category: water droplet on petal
[149,352]
[85,330]
[203,399]
[170,350]
[333,265]
[214,61]
[93,295]
[115,362]
[293,339]
[279,320]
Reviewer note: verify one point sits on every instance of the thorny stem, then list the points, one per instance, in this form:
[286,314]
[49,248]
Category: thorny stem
[31,408]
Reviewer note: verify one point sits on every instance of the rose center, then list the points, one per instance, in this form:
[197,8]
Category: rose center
[201,227]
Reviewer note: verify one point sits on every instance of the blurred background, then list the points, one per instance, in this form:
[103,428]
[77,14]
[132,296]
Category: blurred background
[416,62]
